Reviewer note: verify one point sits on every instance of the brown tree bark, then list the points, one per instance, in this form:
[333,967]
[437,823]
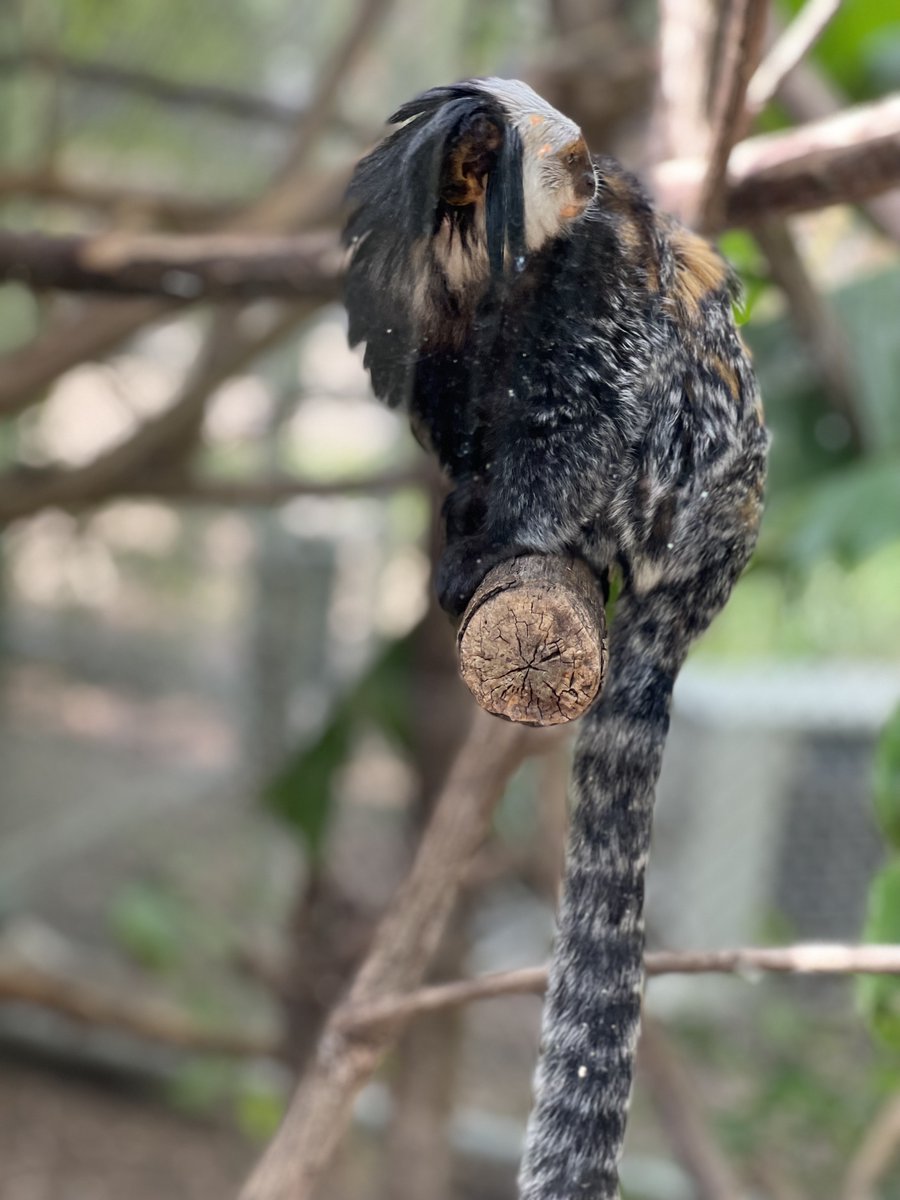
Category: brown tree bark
[532,643]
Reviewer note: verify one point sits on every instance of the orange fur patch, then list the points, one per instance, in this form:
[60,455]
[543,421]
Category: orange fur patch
[633,235]
[535,119]
[468,163]
[728,375]
[579,146]
[699,271]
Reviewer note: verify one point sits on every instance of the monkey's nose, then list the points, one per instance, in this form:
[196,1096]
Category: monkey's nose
[585,186]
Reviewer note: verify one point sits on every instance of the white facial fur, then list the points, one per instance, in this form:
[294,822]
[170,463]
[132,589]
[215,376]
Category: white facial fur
[551,202]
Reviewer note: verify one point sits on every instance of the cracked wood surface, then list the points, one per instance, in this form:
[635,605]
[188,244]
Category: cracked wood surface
[532,643]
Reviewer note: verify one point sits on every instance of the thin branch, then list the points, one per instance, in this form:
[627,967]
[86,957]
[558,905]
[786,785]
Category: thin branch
[674,1096]
[22,494]
[789,49]
[815,322]
[276,208]
[149,1019]
[403,946]
[843,159]
[681,119]
[92,333]
[809,96]
[369,17]
[811,959]
[156,1020]
[878,1149]
[230,101]
[183,267]
[742,42]
[268,491]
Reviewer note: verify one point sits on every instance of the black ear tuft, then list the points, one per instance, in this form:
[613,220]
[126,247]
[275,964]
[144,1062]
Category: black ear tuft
[432,167]
[505,204]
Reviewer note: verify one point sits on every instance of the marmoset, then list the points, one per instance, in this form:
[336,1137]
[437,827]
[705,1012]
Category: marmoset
[569,353]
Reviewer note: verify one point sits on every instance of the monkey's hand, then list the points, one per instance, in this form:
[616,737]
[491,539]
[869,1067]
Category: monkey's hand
[465,562]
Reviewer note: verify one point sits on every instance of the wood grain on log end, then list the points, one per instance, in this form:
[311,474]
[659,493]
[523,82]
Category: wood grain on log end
[532,642]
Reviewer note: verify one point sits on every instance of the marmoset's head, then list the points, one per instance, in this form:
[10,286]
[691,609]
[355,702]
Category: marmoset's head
[478,175]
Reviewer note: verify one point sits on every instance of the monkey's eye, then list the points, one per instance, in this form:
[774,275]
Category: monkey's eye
[571,159]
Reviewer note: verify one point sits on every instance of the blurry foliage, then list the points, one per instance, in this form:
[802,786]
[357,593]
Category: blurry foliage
[303,790]
[741,250]
[826,573]
[860,49]
[207,1086]
[879,996]
[148,924]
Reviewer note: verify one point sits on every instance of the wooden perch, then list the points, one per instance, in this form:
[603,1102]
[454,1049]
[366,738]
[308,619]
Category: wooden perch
[181,267]
[532,643]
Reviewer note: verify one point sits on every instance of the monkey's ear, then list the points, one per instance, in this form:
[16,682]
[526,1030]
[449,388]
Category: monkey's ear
[471,157]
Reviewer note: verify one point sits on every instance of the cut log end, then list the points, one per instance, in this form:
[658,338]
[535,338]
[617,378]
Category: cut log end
[532,642]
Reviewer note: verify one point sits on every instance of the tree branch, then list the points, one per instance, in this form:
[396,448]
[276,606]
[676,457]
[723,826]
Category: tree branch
[156,1020]
[674,1096]
[790,48]
[681,120]
[808,96]
[809,959]
[878,1149]
[275,209]
[742,40]
[843,159]
[152,1020]
[532,643]
[24,493]
[815,322]
[214,266]
[402,948]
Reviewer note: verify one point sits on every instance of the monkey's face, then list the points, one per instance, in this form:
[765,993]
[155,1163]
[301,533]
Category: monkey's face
[559,183]
[557,174]
[557,177]
[476,176]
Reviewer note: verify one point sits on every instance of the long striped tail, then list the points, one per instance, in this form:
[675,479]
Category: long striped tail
[592,1011]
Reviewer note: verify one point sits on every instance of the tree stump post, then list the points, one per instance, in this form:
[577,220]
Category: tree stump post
[532,644]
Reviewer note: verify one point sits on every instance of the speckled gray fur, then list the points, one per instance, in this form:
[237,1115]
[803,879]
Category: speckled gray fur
[586,395]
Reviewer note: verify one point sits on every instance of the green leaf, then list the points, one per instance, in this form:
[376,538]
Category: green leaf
[147,923]
[258,1110]
[887,781]
[302,791]
[879,995]
[848,49]
[744,254]
[845,516]
[201,1085]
